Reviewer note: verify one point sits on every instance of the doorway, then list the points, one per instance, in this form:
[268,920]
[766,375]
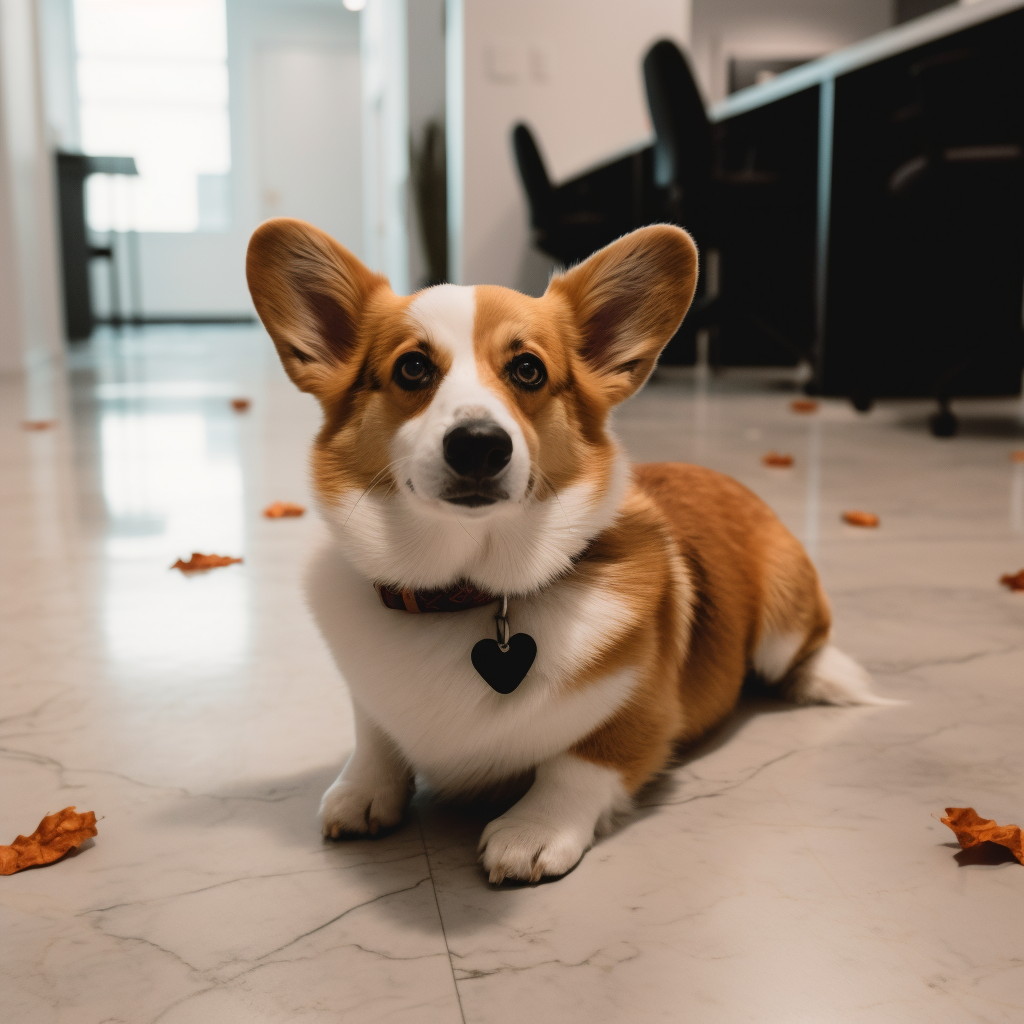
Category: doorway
[309,139]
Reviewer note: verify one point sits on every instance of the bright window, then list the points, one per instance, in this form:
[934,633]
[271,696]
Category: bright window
[153,84]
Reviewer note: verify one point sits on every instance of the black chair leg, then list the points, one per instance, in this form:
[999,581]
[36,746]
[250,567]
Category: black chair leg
[944,423]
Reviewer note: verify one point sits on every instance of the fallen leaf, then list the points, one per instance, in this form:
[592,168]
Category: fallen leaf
[57,833]
[281,509]
[972,830]
[1017,456]
[775,459]
[1014,582]
[240,404]
[200,563]
[38,424]
[803,405]
[856,518]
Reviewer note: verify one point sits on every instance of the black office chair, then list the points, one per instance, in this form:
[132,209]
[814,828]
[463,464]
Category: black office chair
[684,148]
[683,168]
[670,182]
[77,249]
[664,183]
[681,179]
[573,220]
[698,193]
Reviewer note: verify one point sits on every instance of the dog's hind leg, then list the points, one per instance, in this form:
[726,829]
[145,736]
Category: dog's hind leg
[829,676]
[792,650]
[825,676]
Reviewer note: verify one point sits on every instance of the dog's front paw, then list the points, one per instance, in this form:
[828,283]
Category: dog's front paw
[529,850]
[349,808]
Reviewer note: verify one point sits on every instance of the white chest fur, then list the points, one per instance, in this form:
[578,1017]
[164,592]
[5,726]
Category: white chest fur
[413,676]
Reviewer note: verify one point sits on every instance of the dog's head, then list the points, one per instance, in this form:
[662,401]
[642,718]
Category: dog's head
[465,428]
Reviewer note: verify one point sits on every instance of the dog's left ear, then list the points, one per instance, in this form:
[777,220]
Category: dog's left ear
[629,299]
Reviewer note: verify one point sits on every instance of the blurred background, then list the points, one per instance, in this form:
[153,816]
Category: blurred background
[477,141]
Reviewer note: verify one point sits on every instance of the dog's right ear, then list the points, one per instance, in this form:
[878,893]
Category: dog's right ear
[311,294]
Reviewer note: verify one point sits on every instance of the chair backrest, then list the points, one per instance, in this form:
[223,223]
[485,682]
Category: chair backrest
[683,146]
[534,176]
[971,100]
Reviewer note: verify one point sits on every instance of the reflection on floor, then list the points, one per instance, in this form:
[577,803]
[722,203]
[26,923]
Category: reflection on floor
[792,870]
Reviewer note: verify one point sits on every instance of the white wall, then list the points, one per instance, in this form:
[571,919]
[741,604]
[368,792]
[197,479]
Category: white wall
[776,28]
[30,321]
[570,69]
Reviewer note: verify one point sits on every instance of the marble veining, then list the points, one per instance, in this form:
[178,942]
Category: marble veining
[791,868]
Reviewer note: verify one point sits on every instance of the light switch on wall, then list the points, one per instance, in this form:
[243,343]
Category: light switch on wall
[512,61]
[505,62]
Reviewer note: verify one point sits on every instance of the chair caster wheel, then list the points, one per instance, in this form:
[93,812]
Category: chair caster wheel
[862,403]
[943,424]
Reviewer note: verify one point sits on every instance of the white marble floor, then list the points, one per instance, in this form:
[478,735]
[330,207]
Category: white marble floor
[791,870]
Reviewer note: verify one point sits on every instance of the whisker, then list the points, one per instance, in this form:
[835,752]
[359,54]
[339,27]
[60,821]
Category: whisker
[565,515]
[466,532]
[554,493]
[388,468]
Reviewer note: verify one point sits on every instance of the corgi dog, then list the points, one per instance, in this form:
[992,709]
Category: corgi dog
[505,595]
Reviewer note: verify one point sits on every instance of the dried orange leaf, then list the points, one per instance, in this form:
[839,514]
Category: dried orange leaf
[38,424]
[775,459]
[1014,581]
[200,563]
[856,518]
[240,404]
[57,833]
[972,830]
[803,405]
[1017,456]
[280,509]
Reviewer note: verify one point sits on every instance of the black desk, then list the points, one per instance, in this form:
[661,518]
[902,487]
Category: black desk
[813,254]
[76,250]
[869,313]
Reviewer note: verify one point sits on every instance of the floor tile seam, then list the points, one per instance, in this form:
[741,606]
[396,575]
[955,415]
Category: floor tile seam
[440,917]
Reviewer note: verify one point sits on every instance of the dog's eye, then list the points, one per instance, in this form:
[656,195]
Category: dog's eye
[413,371]
[528,372]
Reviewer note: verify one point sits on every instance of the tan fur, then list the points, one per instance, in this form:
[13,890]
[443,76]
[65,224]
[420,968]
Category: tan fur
[746,573]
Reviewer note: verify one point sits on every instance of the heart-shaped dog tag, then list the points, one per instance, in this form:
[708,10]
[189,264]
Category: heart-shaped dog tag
[505,670]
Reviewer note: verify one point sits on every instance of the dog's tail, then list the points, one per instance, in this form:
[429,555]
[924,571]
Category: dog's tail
[831,677]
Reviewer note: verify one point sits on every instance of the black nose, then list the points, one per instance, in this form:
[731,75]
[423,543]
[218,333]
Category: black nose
[477,449]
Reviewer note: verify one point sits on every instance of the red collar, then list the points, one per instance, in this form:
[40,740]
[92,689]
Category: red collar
[459,597]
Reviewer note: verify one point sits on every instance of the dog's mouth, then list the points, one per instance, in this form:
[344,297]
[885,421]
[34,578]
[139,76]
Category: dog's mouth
[475,497]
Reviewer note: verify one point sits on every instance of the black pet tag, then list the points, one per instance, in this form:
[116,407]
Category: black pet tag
[504,664]
[504,671]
